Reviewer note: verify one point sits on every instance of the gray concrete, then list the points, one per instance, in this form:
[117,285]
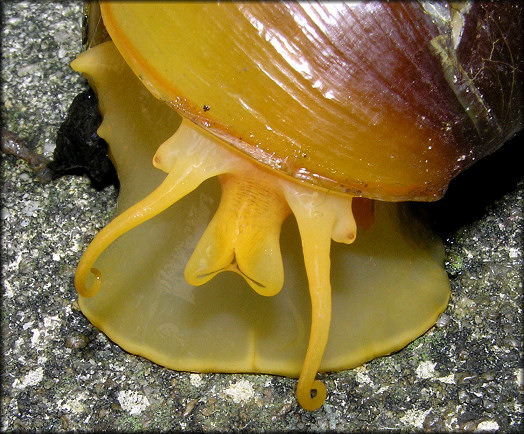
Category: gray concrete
[60,373]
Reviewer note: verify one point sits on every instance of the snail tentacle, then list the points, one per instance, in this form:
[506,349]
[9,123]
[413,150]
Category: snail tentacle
[320,219]
[177,153]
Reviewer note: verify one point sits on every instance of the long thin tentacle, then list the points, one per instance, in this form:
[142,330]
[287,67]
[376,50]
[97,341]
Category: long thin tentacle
[320,218]
[176,156]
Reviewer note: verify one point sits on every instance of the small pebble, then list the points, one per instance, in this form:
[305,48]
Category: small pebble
[470,425]
[76,342]
[463,377]
[443,320]
[488,376]
[189,407]
[463,396]
[488,405]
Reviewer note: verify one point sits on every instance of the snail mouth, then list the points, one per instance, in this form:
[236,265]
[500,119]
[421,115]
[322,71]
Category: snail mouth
[233,266]
[243,236]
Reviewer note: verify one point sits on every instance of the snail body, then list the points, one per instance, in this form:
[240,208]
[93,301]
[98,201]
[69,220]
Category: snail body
[298,116]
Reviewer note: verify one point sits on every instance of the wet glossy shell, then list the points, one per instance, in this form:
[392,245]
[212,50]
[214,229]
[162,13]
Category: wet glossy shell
[388,101]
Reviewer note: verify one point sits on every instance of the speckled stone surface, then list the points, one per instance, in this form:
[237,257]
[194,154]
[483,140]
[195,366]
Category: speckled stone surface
[60,373]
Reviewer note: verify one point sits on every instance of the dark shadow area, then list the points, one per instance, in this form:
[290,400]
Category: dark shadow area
[79,149]
[471,192]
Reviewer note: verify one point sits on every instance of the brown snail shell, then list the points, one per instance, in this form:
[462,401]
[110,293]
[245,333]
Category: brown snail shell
[387,101]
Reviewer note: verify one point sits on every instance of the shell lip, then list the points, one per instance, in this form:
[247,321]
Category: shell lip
[300,174]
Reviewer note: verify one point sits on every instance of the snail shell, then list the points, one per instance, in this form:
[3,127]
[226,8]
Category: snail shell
[382,100]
